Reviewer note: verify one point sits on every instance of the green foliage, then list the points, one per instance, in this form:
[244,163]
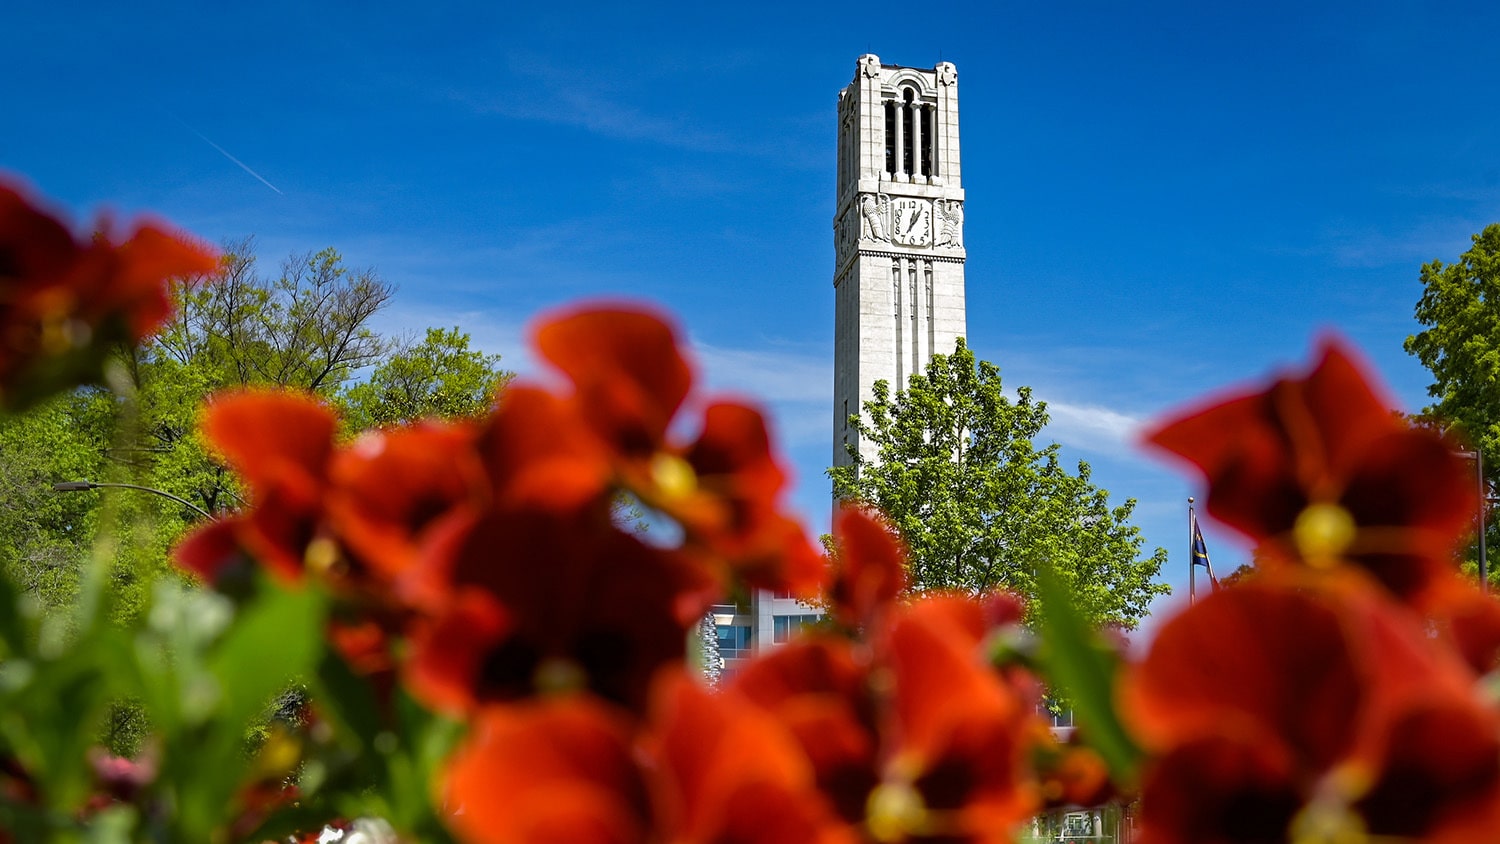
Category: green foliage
[1460,307]
[306,328]
[438,377]
[981,507]
[200,673]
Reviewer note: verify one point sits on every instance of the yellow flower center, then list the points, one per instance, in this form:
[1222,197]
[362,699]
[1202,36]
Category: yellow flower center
[673,476]
[895,811]
[556,675]
[1328,822]
[322,556]
[1323,532]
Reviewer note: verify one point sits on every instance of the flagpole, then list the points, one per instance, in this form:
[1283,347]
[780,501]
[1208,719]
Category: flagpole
[1192,563]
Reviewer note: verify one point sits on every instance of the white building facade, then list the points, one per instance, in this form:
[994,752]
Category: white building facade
[899,255]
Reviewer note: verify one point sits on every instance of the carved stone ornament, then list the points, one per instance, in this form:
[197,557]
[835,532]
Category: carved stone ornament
[950,222]
[874,212]
[869,65]
[947,74]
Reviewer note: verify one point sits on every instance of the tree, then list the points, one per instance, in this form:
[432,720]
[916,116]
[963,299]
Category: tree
[438,377]
[308,328]
[980,506]
[1460,305]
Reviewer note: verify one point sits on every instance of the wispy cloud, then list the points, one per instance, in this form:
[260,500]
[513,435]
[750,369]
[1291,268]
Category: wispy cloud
[596,102]
[1093,428]
[225,153]
[795,386]
[1362,247]
[606,103]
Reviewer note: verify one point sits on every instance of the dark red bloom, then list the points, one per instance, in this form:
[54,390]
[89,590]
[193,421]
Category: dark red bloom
[281,443]
[390,489]
[544,603]
[1319,469]
[724,488]
[914,738]
[1289,710]
[818,688]
[556,770]
[626,369]
[869,568]
[64,302]
[726,771]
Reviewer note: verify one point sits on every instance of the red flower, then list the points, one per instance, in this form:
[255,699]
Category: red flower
[543,602]
[65,302]
[915,740]
[1319,469]
[869,568]
[1278,709]
[557,770]
[726,771]
[393,488]
[817,687]
[625,368]
[724,488]
[281,443]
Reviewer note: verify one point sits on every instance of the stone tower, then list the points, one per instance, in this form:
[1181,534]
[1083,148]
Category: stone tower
[898,273]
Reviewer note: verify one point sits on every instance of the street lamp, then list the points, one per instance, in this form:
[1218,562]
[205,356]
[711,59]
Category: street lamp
[1484,499]
[80,486]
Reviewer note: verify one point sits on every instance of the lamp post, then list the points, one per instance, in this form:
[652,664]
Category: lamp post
[80,486]
[1484,569]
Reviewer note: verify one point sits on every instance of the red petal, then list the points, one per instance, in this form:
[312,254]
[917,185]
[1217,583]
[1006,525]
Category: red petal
[556,771]
[626,367]
[871,564]
[273,437]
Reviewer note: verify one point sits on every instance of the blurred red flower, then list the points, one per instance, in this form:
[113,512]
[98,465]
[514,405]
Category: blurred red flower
[914,738]
[724,487]
[1319,469]
[554,770]
[869,568]
[64,303]
[281,442]
[1281,708]
[541,602]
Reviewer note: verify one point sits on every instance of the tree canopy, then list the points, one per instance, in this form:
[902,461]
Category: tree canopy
[1460,345]
[981,507]
[437,377]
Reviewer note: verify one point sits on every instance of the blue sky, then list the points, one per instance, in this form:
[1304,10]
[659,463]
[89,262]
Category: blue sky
[1163,198]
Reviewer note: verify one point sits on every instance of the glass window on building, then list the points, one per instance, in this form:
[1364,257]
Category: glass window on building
[734,641]
[783,627]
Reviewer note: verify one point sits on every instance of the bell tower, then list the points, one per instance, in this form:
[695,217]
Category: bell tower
[898,274]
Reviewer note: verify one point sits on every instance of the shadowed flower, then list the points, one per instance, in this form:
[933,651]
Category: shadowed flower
[391,488]
[557,770]
[65,303]
[869,568]
[543,603]
[727,772]
[914,738]
[1319,469]
[281,443]
[724,487]
[1292,711]
[706,770]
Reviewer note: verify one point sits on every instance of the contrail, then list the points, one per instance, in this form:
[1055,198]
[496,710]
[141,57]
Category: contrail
[226,154]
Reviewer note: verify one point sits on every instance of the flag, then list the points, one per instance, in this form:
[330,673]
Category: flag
[1200,552]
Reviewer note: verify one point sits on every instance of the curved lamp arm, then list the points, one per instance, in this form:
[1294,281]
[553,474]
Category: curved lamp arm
[79,486]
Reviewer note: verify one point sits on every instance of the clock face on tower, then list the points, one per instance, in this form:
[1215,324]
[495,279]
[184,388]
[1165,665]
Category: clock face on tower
[911,223]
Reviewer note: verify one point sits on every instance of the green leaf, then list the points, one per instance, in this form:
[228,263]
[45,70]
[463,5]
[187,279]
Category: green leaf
[1078,664]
